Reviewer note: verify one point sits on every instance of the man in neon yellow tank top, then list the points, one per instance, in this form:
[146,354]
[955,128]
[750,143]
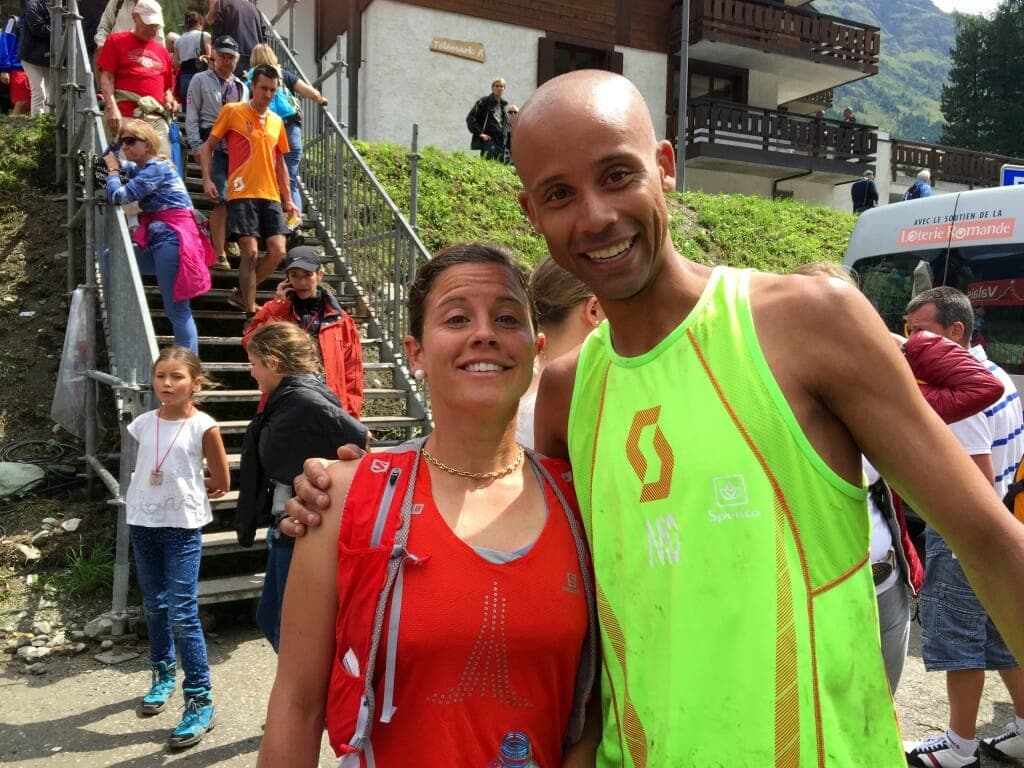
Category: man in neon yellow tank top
[715,425]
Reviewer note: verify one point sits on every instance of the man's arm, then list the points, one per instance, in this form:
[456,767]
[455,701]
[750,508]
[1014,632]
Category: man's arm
[193,108]
[106,23]
[843,377]
[283,186]
[205,155]
[551,412]
[106,79]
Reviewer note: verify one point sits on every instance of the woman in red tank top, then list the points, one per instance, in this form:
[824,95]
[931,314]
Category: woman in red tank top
[493,598]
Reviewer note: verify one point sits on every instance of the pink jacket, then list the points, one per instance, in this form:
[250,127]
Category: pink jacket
[195,253]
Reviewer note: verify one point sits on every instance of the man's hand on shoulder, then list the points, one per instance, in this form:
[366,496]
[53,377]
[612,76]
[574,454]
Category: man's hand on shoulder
[311,499]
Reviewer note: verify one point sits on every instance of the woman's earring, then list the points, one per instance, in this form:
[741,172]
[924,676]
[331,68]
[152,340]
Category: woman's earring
[419,374]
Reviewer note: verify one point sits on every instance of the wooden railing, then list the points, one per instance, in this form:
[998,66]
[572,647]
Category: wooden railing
[769,130]
[793,31]
[957,166]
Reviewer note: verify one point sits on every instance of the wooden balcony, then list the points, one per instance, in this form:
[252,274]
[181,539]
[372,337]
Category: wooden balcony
[956,166]
[773,28]
[766,142]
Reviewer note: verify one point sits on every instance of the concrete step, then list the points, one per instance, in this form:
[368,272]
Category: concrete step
[253,395]
[228,588]
[244,367]
[227,341]
[226,543]
[238,426]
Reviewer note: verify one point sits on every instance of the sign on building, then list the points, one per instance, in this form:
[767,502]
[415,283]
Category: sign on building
[460,48]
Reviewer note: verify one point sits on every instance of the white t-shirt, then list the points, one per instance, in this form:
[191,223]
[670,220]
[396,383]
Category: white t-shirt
[180,500]
[881,534]
[190,45]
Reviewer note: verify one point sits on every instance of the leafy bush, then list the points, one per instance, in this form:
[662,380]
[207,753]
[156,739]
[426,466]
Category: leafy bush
[86,573]
[28,152]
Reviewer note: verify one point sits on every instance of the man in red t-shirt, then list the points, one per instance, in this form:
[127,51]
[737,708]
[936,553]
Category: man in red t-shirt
[137,63]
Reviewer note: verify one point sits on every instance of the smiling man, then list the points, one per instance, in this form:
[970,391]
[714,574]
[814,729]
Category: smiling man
[715,425]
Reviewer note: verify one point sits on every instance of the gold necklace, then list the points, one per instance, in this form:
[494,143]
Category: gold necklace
[477,475]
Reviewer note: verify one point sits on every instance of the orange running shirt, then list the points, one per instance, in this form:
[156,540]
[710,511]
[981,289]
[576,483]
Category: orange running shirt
[253,148]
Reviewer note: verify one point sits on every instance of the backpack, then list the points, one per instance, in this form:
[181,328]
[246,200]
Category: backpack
[913,191]
[1014,498]
[9,45]
[370,581]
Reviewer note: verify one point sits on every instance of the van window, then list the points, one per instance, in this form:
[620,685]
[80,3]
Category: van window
[992,276]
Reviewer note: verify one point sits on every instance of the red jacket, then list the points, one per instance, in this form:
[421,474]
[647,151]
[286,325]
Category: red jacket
[956,385]
[339,342]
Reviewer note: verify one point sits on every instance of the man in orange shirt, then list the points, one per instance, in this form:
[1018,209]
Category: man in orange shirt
[258,195]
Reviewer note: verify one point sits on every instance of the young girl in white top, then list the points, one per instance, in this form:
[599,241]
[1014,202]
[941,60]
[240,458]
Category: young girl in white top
[168,503]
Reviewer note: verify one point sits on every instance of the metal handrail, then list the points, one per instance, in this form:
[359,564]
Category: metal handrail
[364,233]
[101,256]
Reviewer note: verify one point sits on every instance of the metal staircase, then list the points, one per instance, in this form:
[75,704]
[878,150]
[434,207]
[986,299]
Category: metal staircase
[369,250]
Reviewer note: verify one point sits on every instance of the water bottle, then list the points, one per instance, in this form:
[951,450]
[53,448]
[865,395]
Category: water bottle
[515,752]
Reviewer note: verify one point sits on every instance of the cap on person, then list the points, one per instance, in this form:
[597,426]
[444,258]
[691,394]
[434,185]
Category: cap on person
[226,44]
[302,257]
[149,11]
[870,173]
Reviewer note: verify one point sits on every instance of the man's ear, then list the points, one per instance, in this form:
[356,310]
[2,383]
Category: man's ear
[666,159]
[959,333]
[528,209]
[592,311]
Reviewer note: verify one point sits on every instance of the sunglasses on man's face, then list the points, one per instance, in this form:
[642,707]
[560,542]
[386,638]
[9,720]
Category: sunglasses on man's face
[128,141]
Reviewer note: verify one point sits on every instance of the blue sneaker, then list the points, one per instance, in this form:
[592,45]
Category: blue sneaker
[163,686]
[199,718]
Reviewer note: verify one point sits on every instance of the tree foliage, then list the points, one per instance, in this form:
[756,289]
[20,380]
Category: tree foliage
[983,101]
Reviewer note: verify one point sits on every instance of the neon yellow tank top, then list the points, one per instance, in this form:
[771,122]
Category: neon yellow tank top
[738,619]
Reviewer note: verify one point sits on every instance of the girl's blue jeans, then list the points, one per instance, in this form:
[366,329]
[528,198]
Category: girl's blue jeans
[160,258]
[167,565]
[291,160]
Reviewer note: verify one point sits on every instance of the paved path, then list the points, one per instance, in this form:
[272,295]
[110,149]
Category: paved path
[83,713]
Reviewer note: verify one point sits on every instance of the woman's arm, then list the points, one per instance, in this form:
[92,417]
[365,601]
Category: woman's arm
[308,91]
[295,714]
[219,481]
[144,184]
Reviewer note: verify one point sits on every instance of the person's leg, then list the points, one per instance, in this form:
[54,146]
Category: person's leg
[964,687]
[163,245]
[37,83]
[185,547]
[1009,745]
[149,556]
[218,222]
[274,255]
[273,229]
[218,216]
[292,160]
[268,612]
[894,626]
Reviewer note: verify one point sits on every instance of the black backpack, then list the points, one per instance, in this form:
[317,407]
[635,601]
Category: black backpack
[913,191]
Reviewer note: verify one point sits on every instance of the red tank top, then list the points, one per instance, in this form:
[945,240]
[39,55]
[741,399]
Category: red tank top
[483,648]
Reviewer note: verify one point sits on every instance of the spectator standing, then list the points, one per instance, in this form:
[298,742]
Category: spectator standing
[34,52]
[168,240]
[303,298]
[848,116]
[12,74]
[92,11]
[257,190]
[921,186]
[958,636]
[136,74]
[117,17]
[207,92]
[167,504]
[489,124]
[286,106]
[193,51]
[243,21]
[864,193]
[301,419]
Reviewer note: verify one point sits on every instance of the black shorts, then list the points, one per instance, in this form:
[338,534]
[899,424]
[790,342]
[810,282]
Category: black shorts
[254,217]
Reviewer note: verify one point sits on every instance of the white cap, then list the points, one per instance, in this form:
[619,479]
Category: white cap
[149,11]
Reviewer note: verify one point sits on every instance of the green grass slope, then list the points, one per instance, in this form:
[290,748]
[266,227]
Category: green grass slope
[462,197]
[903,98]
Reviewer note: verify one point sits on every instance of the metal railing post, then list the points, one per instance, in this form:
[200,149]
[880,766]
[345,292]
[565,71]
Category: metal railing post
[414,166]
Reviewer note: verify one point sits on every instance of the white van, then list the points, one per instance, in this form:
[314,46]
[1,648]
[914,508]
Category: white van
[973,241]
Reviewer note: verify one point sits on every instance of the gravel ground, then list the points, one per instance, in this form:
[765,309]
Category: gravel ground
[83,713]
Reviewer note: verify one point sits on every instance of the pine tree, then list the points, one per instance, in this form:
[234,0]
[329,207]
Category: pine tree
[965,95]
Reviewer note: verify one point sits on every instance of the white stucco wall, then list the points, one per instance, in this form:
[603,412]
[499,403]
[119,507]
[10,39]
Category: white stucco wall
[721,182]
[763,90]
[649,72]
[402,81]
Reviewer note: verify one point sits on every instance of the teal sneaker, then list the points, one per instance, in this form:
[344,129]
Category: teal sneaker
[199,718]
[163,686]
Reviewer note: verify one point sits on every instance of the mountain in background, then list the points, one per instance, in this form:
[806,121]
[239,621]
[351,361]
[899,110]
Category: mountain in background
[903,98]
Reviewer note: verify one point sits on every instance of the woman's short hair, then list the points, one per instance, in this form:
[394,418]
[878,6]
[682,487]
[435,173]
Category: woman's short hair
[193,20]
[453,256]
[288,345]
[555,292]
[498,81]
